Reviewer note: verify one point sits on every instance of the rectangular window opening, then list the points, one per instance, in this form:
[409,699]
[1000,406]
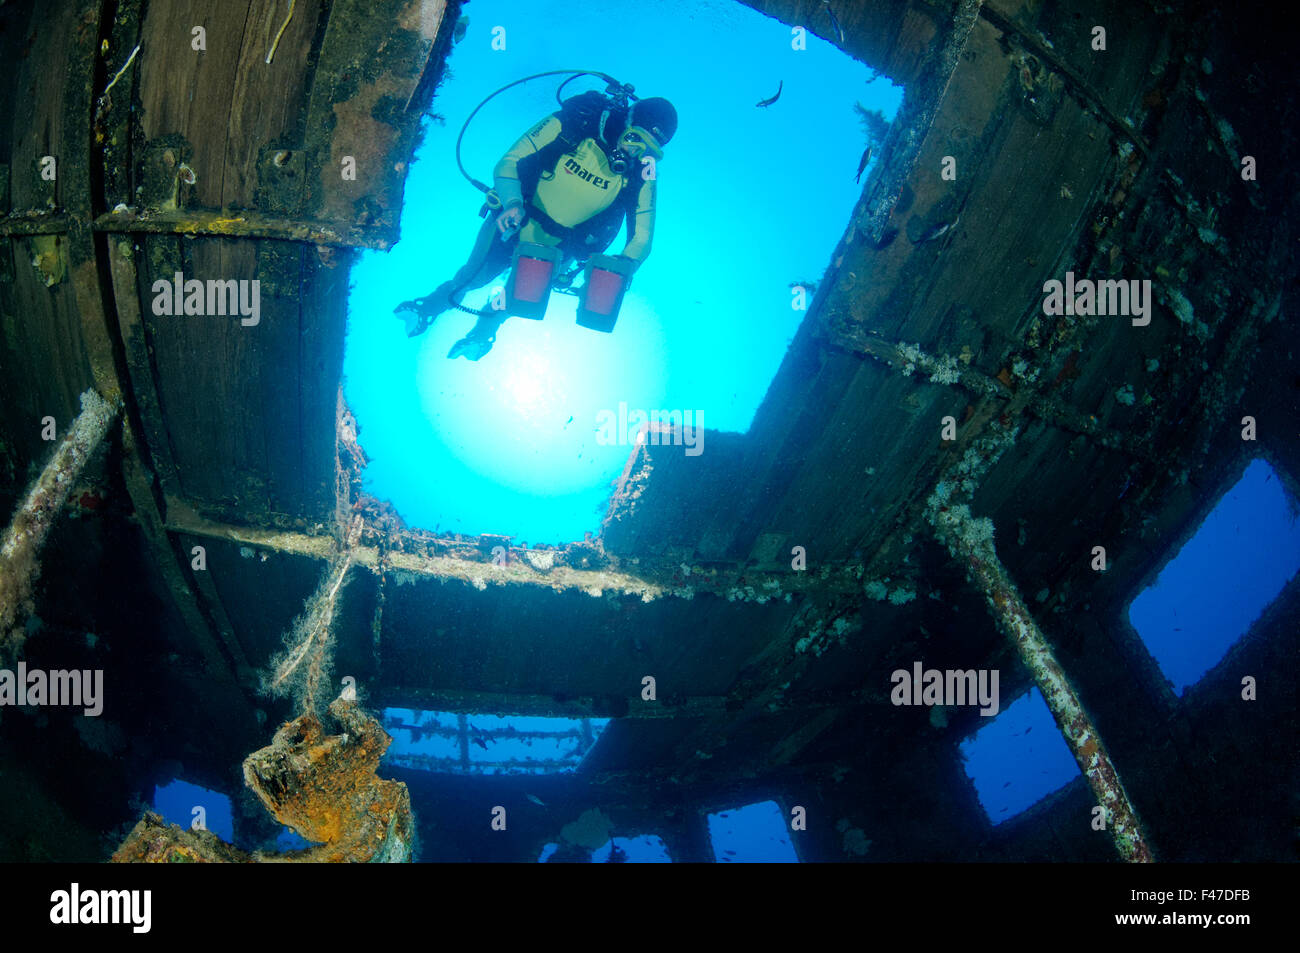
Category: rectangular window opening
[638,849]
[1222,579]
[445,742]
[1018,758]
[755,833]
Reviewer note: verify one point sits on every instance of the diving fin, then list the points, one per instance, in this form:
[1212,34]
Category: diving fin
[472,346]
[414,315]
[420,312]
[480,339]
[416,324]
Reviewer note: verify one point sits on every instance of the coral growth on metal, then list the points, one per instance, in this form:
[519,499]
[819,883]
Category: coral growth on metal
[322,786]
[970,541]
[21,544]
[325,788]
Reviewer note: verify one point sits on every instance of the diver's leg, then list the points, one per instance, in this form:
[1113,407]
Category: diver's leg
[482,336]
[484,333]
[486,261]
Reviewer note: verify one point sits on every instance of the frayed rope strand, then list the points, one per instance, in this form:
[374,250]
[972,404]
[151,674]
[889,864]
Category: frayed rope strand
[39,510]
[310,637]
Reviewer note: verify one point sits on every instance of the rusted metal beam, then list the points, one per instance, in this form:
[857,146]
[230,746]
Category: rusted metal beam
[970,541]
[547,706]
[139,485]
[247,224]
[909,359]
[135,342]
[225,629]
[1073,80]
[734,582]
[34,223]
[696,706]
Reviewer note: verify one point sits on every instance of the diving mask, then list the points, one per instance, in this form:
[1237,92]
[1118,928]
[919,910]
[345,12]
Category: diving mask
[632,146]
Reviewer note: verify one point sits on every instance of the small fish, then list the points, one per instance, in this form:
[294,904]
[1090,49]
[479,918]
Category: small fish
[730,853]
[767,102]
[936,231]
[458,32]
[1007,785]
[862,164]
[1029,729]
[834,22]
[569,421]
[535,799]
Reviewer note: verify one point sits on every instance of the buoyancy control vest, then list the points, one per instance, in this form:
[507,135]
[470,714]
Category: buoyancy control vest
[589,115]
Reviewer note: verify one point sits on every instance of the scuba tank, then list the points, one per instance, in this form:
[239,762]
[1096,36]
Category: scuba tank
[534,267]
[607,278]
[532,273]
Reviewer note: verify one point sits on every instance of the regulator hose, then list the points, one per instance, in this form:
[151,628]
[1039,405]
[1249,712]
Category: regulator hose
[621,92]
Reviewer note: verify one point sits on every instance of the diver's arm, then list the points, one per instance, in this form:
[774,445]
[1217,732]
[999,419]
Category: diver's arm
[505,176]
[638,245]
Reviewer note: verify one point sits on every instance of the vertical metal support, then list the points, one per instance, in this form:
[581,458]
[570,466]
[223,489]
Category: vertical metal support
[970,541]
[462,726]
[42,505]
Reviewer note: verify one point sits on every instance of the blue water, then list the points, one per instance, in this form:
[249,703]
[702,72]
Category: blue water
[755,833]
[750,201]
[177,800]
[1207,597]
[1018,758]
[644,849]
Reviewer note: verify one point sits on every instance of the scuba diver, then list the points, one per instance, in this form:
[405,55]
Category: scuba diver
[559,196]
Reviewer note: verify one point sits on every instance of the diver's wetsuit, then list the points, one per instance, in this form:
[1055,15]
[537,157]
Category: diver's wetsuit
[571,204]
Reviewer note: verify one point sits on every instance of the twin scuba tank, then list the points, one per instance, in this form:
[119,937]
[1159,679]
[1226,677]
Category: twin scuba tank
[533,274]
